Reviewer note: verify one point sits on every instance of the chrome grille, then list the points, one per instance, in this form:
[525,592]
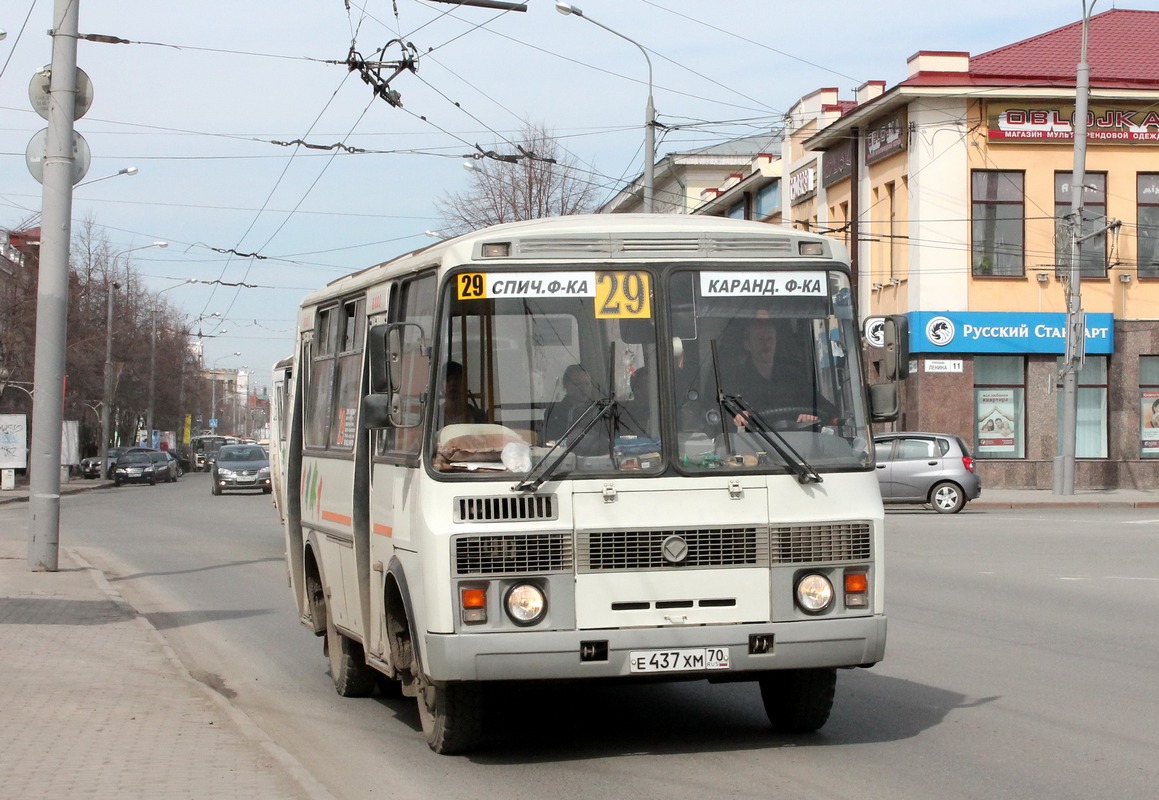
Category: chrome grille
[513,554]
[810,544]
[601,551]
[505,509]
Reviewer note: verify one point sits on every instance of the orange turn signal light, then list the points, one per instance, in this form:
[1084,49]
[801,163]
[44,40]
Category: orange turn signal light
[474,598]
[856,582]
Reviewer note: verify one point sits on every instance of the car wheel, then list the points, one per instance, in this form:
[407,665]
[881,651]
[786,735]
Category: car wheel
[117,482]
[267,490]
[214,489]
[947,498]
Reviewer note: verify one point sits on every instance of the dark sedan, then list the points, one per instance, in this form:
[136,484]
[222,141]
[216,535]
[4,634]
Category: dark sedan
[240,466]
[134,467]
[166,467]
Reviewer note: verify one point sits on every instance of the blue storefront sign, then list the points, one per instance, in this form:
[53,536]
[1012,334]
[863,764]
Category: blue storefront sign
[1005,332]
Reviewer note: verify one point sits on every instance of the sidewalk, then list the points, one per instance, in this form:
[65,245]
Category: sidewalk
[97,705]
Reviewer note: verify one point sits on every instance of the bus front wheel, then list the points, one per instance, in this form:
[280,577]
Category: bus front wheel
[451,715]
[353,677]
[798,700]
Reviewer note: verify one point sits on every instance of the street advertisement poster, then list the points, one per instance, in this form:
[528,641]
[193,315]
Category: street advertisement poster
[995,420]
[13,441]
[1149,423]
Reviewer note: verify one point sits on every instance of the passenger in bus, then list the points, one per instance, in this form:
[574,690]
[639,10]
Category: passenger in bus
[767,380]
[458,407]
[578,395]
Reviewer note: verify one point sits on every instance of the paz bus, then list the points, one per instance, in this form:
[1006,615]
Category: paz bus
[458,513]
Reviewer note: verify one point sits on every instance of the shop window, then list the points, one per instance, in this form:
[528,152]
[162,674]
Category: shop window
[1148,219]
[1091,409]
[1149,406]
[1000,406]
[997,218]
[1094,249]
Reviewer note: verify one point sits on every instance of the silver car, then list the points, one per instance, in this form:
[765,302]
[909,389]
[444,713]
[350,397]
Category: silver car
[240,466]
[933,468]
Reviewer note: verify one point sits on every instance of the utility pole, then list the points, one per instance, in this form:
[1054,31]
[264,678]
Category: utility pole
[1075,317]
[52,295]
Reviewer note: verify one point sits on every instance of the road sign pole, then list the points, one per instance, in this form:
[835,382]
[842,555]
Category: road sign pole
[52,296]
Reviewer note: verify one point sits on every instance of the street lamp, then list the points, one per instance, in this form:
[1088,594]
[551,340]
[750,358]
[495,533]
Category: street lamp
[213,385]
[650,112]
[153,359]
[130,171]
[107,399]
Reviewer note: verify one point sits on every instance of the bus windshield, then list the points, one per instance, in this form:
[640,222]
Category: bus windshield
[751,373]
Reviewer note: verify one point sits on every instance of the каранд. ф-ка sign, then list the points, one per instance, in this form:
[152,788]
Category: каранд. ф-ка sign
[1009,332]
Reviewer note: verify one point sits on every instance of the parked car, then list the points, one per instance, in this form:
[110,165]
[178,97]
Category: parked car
[165,466]
[135,466]
[933,468]
[91,467]
[240,466]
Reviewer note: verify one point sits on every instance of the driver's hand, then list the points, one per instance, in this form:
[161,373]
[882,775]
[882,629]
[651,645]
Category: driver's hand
[807,417]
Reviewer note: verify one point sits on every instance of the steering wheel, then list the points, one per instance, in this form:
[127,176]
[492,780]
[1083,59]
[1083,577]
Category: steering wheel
[787,416]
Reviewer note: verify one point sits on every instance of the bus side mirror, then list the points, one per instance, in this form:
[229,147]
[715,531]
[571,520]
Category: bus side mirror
[376,411]
[883,402]
[379,365]
[896,346]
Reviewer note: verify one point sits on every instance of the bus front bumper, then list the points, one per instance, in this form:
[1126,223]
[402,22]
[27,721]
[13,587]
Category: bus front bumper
[557,655]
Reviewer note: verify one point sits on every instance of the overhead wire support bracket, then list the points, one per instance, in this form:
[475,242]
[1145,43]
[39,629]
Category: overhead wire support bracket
[498,4]
[371,71]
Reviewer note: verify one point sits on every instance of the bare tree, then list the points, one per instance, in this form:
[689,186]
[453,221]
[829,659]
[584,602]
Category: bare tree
[541,182]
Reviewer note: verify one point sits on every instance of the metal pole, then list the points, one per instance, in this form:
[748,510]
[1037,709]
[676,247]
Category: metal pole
[107,394]
[650,110]
[52,296]
[1075,342]
[152,379]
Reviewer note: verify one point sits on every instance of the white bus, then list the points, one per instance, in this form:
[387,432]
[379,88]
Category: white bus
[523,455]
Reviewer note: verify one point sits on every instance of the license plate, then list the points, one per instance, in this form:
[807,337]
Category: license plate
[678,660]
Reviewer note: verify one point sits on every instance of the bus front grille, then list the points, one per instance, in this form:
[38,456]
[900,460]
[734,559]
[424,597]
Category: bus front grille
[811,544]
[527,508]
[601,551]
[513,554]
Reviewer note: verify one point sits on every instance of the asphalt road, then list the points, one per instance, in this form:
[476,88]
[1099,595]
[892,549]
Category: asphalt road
[1022,662]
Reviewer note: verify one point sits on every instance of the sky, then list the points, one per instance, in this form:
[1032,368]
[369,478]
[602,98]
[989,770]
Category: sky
[212,102]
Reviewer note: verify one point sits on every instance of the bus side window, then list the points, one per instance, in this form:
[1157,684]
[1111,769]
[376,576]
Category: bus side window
[416,304]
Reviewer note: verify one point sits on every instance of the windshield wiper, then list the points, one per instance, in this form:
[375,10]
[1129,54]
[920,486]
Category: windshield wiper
[733,404]
[546,466]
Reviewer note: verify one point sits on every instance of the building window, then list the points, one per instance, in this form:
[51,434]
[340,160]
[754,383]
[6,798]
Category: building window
[768,200]
[1091,409]
[1094,249]
[1149,406]
[1148,219]
[1000,406]
[997,213]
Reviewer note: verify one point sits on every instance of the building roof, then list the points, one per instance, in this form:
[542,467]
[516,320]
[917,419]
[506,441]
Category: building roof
[1121,48]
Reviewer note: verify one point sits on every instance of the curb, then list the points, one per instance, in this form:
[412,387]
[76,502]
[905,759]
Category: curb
[246,726]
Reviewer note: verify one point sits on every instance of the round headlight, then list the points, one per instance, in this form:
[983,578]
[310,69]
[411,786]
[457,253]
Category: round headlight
[814,593]
[525,603]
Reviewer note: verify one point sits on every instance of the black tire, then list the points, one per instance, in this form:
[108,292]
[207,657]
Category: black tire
[214,489]
[117,482]
[451,715]
[353,677]
[947,498]
[267,490]
[798,700]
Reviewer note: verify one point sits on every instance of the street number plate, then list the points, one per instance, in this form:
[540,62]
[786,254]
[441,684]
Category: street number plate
[678,660]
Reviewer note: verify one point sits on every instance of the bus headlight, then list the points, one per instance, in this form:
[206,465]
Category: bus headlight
[814,593]
[526,604]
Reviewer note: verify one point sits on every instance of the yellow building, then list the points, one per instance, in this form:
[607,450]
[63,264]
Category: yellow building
[953,190]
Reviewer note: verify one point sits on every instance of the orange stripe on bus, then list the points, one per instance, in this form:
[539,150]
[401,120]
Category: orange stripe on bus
[341,519]
[383,530]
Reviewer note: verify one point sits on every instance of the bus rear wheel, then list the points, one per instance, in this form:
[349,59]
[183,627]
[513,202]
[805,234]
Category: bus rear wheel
[798,700]
[451,715]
